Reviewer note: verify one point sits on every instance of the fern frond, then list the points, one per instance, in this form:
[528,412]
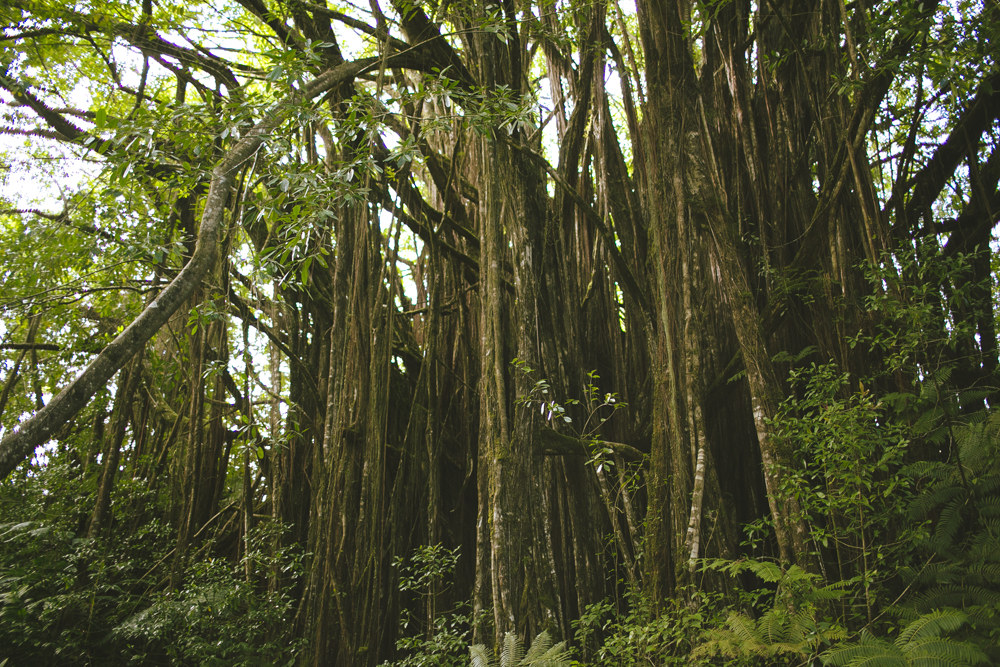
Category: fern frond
[720,641]
[541,654]
[989,536]
[929,469]
[766,570]
[800,627]
[985,486]
[972,397]
[511,651]
[954,595]
[938,573]
[931,625]
[989,507]
[866,652]
[787,648]
[804,632]
[928,421]
[943,652]
[949,523]
[929,501]
[985,620]
[541,644]
[834,591]
[771,627]
[975,447]
[554,656]
[743,627]
[479,656]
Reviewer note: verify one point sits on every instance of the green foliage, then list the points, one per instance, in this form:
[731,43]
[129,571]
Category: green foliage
[66,599]
[428,566]
[220,617]
[848,448]
[511,653]
[443,645]
[59,590]
[957,559]
[919,643]
[645,633]
[442,640]
[791,630]
[597,408]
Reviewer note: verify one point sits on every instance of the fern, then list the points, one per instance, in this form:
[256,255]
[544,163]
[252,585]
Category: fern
[944,652]
[479,656]
[789,630]
[964,593]
[866,652]
[932,625]
[919,643]
[511,651]
[776,635]
[512,654]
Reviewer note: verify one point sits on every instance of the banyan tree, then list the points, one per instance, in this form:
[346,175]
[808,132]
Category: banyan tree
[524,280]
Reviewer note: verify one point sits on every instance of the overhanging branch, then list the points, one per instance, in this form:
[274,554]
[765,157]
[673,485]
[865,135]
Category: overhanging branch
[554,443]
[18,445]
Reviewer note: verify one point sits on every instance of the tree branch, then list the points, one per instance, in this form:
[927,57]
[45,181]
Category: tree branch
[19,445]
[931,179]
[61,218]
[869,98]
[554,443]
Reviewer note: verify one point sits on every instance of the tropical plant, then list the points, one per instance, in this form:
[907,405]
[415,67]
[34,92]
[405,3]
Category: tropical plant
[430,637]
[639,632]
[919,643]
[848,450]
[511,653]
[957,548]
[793,629]
[263,262]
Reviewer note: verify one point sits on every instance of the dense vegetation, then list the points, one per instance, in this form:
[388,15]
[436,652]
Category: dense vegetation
[517,333]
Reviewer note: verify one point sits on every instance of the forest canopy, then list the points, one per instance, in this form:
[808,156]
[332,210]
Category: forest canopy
[423,332]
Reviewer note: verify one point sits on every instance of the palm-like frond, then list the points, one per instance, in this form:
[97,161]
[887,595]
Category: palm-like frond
[480,657]
[541,654]
[929,501]
[544,654]
[943,652]
[511,650]
[932,625]
[919,644]
[542,643]
[867,651]
[960,596]
[743,628]
[771,629]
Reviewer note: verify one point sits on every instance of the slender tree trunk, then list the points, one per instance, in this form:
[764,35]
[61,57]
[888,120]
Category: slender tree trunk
[128,384]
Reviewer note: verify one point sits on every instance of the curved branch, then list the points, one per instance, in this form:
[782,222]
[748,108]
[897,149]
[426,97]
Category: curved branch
[554,443]
[56,120]
[963,140]
[44,134]
[19,445]
[357,24]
